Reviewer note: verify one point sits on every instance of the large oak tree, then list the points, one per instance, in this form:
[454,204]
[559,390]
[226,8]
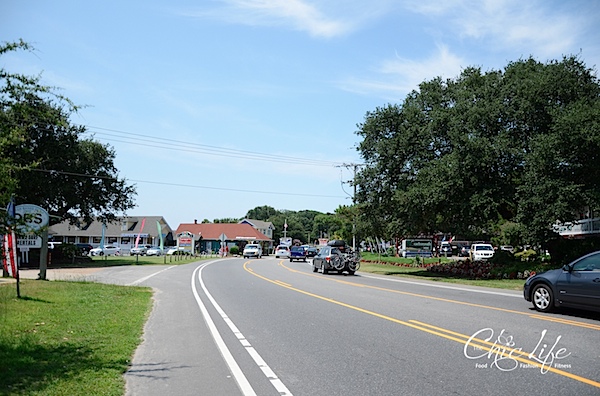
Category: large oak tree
[465,155]
[44,158]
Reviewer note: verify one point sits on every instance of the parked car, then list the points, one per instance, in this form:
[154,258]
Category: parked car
[311,251]
[174,250]
[282,251]
[52,245]
[84,248]
[140,249]
[507,248]
[252,250]
[464,251]
[446,249]
[108,250]
[298,253]
[154,251]
[575,285]
[481,251]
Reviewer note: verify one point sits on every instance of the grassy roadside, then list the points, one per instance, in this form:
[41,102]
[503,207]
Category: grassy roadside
[110,261]
[69,338]
[77,338]
[416,272]
[420,273]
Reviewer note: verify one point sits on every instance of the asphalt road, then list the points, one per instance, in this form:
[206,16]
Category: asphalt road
[271,327]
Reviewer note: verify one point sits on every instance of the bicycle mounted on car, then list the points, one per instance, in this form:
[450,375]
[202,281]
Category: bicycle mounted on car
[336,256]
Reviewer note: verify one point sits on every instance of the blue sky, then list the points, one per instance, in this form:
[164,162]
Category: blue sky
[217,107]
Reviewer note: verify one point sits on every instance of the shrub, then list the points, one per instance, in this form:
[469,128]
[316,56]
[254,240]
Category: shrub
[234,250]
[527,255]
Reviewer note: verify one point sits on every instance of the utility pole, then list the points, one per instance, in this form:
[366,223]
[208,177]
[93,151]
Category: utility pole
[355,169]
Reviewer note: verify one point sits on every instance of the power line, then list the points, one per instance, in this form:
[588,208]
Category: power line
[186,185]
[178,145]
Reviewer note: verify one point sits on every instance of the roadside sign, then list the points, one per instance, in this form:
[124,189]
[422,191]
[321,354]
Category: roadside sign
[35,217]
[29,241]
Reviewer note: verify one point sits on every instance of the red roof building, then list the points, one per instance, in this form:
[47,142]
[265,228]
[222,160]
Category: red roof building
[233,232]
[209,235]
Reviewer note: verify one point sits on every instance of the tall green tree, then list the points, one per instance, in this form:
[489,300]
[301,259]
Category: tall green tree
[466,154]
[45,158]
[262,213]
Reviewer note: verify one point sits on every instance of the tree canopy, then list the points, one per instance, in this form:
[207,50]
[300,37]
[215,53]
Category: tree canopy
[44,159]
[466,155]
[305,226]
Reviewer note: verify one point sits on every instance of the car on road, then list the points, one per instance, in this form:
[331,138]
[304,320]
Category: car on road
[298,253]
[154,251]
[311,251]
[327,259]
[336,257]
[575,285]
[140,250]
[481,251]
[252,250]
[106,250]
[282,251]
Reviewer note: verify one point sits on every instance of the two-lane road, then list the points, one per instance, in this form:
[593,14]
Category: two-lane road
[271,327]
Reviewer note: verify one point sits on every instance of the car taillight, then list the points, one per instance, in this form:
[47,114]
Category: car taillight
[327,259]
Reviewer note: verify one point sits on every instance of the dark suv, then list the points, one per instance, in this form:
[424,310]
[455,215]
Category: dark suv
[336,257]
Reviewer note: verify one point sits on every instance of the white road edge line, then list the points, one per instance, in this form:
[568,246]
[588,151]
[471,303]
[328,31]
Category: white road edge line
[145,278]
[270,374]
[444,287]
[235,369]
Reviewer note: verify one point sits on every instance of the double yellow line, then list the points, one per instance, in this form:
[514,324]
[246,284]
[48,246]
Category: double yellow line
[491,348]
[533,316]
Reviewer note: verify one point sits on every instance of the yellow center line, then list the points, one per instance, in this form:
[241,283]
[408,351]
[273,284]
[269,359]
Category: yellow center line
[533,316]
[492,349]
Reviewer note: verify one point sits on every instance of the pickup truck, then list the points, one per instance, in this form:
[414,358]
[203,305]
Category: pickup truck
[298,253]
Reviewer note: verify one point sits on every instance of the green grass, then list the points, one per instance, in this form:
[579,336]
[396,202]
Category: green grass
[110,261]
[69,338]
[421,273]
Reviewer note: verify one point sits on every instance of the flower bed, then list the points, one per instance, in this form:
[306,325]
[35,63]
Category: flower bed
[412,263]
[479,270]
[467,269]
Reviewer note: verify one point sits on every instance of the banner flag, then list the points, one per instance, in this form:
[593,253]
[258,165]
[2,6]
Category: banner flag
[102,237]
[137,240]
[10,243]
[160,235]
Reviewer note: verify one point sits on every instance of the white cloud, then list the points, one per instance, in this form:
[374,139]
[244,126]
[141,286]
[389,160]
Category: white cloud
[543,28]
[296,14]
[398,76]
